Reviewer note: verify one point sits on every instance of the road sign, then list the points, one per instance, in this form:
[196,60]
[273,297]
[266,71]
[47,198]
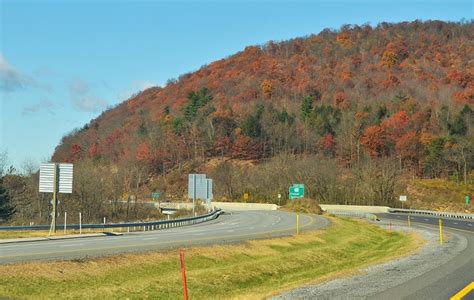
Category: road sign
[403,198]
[467,200]
[209,196]
[155,195]
[279,196]
[200,187]
[65,178]
[197,186]
[296,191]
[246,196]
[55,178]
[64,173]
[46,179]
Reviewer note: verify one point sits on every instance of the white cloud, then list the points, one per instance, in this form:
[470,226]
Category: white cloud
[11,79]
[43,104]
[144,84]
[135,88]
[83,99]
[89,103]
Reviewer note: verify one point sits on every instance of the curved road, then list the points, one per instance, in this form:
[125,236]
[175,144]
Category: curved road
[433,272]
[227,228]
[445,280]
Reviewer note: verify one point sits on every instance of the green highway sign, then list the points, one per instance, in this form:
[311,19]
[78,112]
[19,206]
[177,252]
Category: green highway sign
[155,195]
[467,200]
[296,191]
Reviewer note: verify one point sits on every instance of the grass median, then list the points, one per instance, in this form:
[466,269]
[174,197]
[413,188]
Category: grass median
[255,269]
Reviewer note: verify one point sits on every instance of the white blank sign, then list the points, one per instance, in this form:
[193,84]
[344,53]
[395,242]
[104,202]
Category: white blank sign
[46,180]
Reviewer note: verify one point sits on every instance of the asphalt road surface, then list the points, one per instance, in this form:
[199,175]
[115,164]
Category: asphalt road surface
[445,280]
[227,228]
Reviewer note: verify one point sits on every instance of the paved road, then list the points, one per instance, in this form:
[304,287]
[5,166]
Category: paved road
[447,222]
[445,280]
[228,228]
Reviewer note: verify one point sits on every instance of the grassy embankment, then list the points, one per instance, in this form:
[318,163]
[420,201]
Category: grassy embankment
[252,270]
[439,194]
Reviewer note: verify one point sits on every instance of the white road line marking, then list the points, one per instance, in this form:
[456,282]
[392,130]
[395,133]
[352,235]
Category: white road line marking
[148,239]
[70,245]
[198,234]
[425,219]
[469,224]
[230,230]
[455,223]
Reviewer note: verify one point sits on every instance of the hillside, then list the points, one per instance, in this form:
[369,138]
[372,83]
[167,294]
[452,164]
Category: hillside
[388,90]
[360,116]
[402,91]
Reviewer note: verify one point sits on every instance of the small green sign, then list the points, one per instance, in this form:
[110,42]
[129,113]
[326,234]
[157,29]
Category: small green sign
[296,191]
[467,200]
[155,195]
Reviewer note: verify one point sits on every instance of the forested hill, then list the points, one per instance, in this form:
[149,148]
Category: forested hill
[403,90]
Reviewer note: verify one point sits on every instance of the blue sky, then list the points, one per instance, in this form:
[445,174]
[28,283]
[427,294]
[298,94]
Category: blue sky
[63,62]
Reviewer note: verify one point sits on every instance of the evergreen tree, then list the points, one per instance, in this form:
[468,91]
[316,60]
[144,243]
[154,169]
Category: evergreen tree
[6,207]
[196,100]
[458,126]
[306,107]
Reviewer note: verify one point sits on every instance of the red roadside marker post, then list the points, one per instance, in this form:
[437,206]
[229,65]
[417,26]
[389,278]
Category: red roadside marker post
[183,274]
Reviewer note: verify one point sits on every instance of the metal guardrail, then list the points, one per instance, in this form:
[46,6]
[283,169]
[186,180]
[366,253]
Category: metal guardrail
[353,214]
[142,226]
[432,213]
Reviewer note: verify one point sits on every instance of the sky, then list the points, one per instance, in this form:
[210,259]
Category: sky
[63,62]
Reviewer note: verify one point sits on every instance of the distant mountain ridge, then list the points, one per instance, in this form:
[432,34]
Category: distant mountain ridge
[387,90]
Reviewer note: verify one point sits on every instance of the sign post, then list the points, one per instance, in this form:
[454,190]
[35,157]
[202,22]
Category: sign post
[403,198]
[55,198]
[55,178]
[199,187]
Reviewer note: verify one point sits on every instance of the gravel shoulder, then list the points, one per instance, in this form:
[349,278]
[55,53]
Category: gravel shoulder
[380,281]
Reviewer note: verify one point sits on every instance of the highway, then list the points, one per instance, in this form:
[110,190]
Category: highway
[445,280]
[227,228]
[429,220]
[440,283]
[432,272]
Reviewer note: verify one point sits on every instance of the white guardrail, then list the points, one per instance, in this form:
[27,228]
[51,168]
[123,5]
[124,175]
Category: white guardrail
[353,214]
[432,213]
[135,226]
[369,211]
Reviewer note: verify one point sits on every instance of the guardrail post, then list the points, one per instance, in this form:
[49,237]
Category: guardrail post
[65,221]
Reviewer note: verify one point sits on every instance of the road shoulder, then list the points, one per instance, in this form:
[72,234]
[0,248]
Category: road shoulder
[375,281]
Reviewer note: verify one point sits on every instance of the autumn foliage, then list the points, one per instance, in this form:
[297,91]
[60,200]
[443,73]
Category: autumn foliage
[403,90]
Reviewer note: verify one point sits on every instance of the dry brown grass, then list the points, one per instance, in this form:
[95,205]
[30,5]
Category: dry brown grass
[42,233]
[251,270]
